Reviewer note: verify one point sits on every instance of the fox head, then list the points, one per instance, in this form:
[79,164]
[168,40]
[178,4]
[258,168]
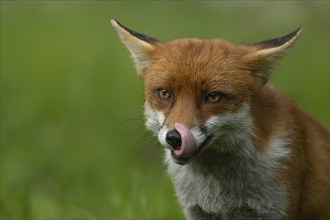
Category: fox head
[198,91]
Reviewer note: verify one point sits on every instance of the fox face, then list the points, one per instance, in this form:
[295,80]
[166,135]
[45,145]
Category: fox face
[199,91]
[189,98]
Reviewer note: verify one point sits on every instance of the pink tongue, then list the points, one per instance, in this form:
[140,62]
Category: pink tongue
[188,145]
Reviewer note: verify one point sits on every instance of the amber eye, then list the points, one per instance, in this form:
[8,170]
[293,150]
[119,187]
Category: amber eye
[163,94]
[214,97]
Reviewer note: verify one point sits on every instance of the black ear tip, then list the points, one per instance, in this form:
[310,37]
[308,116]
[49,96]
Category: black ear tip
[294,34]
[299,30]
[116,23]
[276,42]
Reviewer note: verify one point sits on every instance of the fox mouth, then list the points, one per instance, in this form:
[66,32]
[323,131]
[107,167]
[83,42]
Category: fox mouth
[182,160]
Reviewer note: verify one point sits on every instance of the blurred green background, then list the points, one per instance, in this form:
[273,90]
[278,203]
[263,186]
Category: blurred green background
[73,145]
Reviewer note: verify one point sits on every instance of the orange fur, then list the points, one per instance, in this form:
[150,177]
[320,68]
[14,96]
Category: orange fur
[191,68]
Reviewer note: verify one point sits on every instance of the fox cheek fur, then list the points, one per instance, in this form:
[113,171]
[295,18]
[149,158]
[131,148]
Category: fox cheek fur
[236,148]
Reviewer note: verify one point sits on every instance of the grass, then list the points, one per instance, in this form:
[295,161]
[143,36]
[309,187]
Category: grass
[73,144]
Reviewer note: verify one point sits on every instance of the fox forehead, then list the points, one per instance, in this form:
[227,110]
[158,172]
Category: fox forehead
[190,62]
[194,64]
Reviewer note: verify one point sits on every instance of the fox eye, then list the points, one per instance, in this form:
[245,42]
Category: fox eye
[163,94]
[214,97]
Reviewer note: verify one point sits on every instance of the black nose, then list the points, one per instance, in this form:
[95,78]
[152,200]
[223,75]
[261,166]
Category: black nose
[173,138]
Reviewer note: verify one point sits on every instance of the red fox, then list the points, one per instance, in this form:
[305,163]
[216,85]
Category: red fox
[235,146]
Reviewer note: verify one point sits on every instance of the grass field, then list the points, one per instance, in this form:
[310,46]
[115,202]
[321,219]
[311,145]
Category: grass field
[73,145]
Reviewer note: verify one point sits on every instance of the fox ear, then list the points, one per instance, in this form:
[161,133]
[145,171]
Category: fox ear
[263,56]
[139,45]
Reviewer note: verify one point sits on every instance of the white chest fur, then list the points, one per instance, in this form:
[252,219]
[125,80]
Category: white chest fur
[221,183]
